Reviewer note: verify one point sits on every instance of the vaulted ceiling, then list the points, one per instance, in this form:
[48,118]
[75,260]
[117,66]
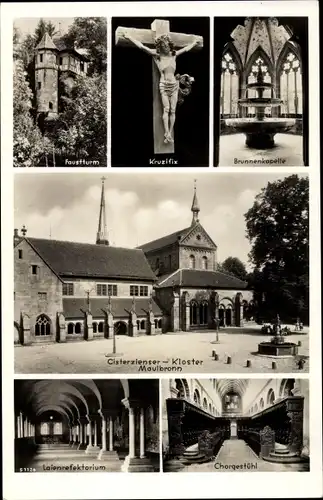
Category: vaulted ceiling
[225,386]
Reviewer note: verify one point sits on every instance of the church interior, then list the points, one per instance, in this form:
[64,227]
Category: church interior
[86,425]
[272,52]
[220,425]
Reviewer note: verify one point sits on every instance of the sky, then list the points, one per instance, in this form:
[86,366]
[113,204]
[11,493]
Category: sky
[27,25]
[140,207]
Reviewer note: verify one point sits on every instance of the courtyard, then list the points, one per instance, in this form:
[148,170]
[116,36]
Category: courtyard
[183,352]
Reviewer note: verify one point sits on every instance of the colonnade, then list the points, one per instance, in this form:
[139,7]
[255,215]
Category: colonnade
[24,427]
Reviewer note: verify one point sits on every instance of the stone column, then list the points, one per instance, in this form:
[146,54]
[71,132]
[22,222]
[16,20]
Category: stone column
[92,448]
[95,433]
[61,327]
[88,327]
[185,312]
[133,329]
[150,329]
[142,433]
[21,425]
[105,454]
[80,434]
[175,313]
[18,426]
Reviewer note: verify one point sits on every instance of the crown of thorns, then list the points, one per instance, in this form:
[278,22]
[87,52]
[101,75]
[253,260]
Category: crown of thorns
[164,39]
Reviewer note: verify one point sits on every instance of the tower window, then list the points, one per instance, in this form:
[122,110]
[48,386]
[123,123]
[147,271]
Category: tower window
[34,269]
[40,57]
[39,85]
[19,254]
[60,61]
[50,105]
[192,262]
[82,66]
[204,262]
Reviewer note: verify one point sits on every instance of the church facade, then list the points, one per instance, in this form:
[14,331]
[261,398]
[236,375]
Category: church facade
[65,291]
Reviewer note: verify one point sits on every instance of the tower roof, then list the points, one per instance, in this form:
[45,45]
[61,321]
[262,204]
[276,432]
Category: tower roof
[46,43]
[195,206]
[102,234]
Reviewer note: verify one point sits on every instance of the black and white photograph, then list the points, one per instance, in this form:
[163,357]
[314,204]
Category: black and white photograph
[142,274]
[261,91]
[85,425]
[60,92]
[235,425]
[160,91]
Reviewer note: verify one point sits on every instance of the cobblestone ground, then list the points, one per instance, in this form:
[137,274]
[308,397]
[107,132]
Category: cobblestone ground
[166,353]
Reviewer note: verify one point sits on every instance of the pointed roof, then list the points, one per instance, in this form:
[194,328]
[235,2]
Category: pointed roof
[102,234]
[195,206]
[164,241]
[46,43]
[198,278]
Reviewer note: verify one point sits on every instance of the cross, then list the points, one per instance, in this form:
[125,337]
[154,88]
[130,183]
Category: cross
[158,28]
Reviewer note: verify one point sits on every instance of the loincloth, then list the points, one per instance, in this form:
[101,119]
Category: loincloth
[169,88]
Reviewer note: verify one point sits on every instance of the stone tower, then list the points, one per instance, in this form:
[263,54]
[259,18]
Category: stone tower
[46,77]
[102,234]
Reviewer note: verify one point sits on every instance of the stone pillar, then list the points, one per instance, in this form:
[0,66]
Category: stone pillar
[109,327]
[92,448]
[82,426]
[133,329]
[61,327]
[150,328]
[294,408]
[95,433]
[26,333]
[21,425]
[142,433]
[110,433]
[133,463]
[88,327]
[108,455]
[185,312]
[175,313]
[18,426]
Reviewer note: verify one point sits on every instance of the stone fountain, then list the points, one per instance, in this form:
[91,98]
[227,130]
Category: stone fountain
[260,131]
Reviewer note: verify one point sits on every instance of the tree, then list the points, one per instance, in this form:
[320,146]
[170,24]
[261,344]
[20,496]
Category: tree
[234,266]
[27,140]
[82,124]
[278,230]
[90,33]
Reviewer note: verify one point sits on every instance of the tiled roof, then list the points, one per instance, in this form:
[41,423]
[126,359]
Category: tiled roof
[165,241]
[46,43]
[63,46]
[201,279]
[120,307]
[68,259]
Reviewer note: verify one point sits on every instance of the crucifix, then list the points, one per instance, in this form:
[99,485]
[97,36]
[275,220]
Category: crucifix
[164,46]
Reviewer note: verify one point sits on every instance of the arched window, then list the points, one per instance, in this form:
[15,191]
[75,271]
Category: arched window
[256,408]
[193,313]
[58,428]
[159,323]
[78,327]
[156,323]
[262,403]
[42,326]
[270,397]
[95,327]
[204,403]
[143,324]
[252,78]
[197,397]
[204,262]
[44,429]
[101,327]
[229,87]
[70,328]
[203,313]
[192,261]
[138,324]
[291,86]
[210,408]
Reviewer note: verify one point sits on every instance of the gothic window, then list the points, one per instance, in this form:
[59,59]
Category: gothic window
[78,328]
[134,290]
[58,428]
[203,313]
[101,327]
[42,326]
[270,397]
[39,85]
[142,324]
[143,291]
[192,261]
[291,86]
[70,328]
[68,288]
[196,397]
[204,262]
[252,78]
[95,327]
[44,429]
[19,254]
[50,105]
[193,313]
[229,86]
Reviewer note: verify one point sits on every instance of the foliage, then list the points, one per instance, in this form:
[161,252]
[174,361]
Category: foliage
[81,127]
[27,140]
[234,266]
[278,229]
[90,33]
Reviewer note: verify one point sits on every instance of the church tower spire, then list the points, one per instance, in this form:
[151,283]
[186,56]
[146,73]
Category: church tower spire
[102,234]
[195,206]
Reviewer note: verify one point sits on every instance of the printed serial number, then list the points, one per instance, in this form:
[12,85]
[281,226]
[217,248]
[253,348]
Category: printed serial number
[27,469]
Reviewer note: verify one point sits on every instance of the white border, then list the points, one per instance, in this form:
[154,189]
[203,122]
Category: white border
[158,485]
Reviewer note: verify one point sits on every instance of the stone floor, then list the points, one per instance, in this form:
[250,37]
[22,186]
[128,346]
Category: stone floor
[288,147]
[235,452]
[167,353]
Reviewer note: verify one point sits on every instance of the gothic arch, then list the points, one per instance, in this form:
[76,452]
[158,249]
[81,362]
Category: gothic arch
[259,52]
[17,333]
[43,325]
[197,397]
[205,404]
[286,387]
[230,47]
[270,397]
[288,47]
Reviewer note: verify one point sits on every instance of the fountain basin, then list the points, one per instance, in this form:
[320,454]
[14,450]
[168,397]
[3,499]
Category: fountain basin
[259,102]
[271,349]
[260,133]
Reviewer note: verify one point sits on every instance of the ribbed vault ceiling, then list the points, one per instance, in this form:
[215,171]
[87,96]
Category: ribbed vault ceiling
[231,385]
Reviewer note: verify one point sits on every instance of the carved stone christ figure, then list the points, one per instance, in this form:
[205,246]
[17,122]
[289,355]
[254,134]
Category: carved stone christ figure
[165,56]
